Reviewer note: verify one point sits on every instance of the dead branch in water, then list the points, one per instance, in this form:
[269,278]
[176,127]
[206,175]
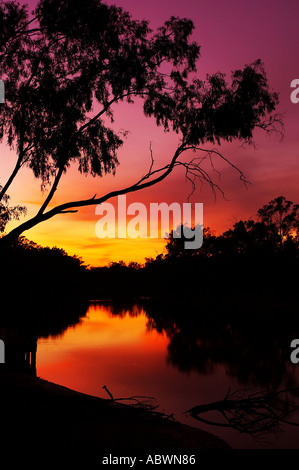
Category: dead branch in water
[257,414]
[141,402]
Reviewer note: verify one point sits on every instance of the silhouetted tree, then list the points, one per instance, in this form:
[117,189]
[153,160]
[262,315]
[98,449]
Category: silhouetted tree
[282,216]
[277,225]
[250,237]
[68,65]
[40,273]
[175,246]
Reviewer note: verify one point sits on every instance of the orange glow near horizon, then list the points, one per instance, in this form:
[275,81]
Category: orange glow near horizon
[241,33]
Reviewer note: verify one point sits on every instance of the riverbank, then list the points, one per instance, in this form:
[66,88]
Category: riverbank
[42,420]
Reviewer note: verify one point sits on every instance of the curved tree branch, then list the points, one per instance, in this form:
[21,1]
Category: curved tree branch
[70,206]
[193,172]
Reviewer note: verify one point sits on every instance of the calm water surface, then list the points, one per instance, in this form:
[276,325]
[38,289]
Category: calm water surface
[129,356]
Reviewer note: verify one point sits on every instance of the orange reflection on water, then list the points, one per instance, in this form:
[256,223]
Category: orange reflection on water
[103,349]
[121,352]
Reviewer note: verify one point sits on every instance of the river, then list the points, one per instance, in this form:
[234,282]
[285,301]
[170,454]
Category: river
[131,354]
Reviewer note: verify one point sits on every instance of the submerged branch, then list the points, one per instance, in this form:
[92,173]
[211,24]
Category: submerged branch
[257,414]
[141,402]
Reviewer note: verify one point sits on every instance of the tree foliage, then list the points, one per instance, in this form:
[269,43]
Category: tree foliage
[282,215]
[65,68]
[8,212]
[275,227]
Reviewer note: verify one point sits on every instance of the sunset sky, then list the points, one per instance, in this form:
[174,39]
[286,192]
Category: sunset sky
[232,33]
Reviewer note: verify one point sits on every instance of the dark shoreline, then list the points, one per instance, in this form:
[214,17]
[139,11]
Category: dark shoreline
[57,423]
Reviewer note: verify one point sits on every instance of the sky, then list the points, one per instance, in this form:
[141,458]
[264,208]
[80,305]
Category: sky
[231,33]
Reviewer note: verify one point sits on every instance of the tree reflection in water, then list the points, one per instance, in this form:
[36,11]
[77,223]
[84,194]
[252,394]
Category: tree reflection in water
[22,325]
[254,348]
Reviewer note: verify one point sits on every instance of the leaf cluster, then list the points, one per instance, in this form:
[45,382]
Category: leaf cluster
[66,67]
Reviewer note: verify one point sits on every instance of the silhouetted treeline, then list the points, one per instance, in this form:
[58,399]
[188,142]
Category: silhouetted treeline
[31,273]
[254,258]
[229,303]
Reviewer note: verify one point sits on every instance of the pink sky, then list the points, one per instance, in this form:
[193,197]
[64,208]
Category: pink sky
[231,33]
